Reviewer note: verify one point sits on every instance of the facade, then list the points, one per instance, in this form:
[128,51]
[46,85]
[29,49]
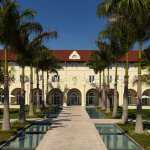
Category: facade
[76,83]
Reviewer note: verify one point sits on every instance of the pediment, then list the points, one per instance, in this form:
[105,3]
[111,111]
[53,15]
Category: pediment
[74,55]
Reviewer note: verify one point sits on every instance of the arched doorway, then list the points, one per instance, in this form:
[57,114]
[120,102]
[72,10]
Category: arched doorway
[15,96]
[35,94]
[92,97]
[1,96]
[146,98]
[74,97]
[55,97]
[132,96]
[111,97]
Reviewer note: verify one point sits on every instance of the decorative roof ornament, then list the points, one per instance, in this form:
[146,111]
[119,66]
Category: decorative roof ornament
[74,55]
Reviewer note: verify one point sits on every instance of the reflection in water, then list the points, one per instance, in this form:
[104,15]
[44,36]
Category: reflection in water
[115,139]
[25,141]
[29,139]
[95,114]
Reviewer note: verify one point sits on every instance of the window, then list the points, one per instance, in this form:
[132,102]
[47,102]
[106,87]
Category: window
[55,78]
[110,78]
[91,79]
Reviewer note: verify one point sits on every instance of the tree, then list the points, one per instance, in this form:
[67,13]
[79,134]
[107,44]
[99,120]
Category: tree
[36,43]
[111,35]
[98,66]
[128,10]
[107,56]
[8,23]
[118,14]
[47,63]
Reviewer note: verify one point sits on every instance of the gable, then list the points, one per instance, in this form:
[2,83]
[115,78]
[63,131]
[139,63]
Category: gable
[74,55]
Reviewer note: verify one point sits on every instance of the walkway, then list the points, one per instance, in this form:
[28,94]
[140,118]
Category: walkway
[72,130]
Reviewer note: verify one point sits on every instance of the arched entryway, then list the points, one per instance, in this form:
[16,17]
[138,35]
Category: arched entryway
[146,98]
[132,97]
[55,97]
[111,97]
[74,97]
[92,97]
[35,95]
[1,96]
[15,96]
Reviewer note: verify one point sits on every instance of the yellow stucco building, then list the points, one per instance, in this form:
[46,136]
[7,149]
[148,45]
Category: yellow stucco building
[76,83]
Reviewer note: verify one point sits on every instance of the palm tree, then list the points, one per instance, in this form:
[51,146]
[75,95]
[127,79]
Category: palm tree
[107,56]
[98,66]
[128,10]
[8,15]
[24,29]
[118,14]
[47,62]
[142,22]
[36,43]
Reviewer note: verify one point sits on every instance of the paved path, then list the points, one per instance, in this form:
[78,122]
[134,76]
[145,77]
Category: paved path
[72,130]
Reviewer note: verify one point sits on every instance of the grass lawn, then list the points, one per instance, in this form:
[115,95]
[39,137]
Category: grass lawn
[131,113]
[14,113]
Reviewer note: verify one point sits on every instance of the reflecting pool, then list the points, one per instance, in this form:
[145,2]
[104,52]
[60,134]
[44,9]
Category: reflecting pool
[115,138]
[94,113]
[24,142]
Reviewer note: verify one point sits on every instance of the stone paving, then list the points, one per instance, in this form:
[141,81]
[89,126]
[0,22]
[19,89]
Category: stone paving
[72,130]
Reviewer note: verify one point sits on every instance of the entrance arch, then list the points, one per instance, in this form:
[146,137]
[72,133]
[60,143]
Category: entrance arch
[74,97]
[55,97]
[92,97]
[132,97]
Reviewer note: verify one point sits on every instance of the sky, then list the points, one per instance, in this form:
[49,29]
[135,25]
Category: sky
[74,20]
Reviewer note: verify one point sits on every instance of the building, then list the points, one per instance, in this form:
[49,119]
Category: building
[76,83]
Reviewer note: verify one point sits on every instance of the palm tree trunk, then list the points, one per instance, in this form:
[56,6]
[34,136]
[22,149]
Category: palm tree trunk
[125,96]
[47,78]
[103,92]
[22,99]
[107,96]
[139,122]
[38,109]
[100,98]
[43,105]
[31,110]
[115,103]
[6,117]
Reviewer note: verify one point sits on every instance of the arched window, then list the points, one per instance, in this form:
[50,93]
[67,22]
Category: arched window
[35,95]
[146,98]
[15,96]
[55,97]
[132,97]
[92,97]
[1,96]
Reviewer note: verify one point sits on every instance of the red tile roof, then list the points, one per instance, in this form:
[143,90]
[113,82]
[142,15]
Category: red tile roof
[132,56]
[63,55]
[11,56]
